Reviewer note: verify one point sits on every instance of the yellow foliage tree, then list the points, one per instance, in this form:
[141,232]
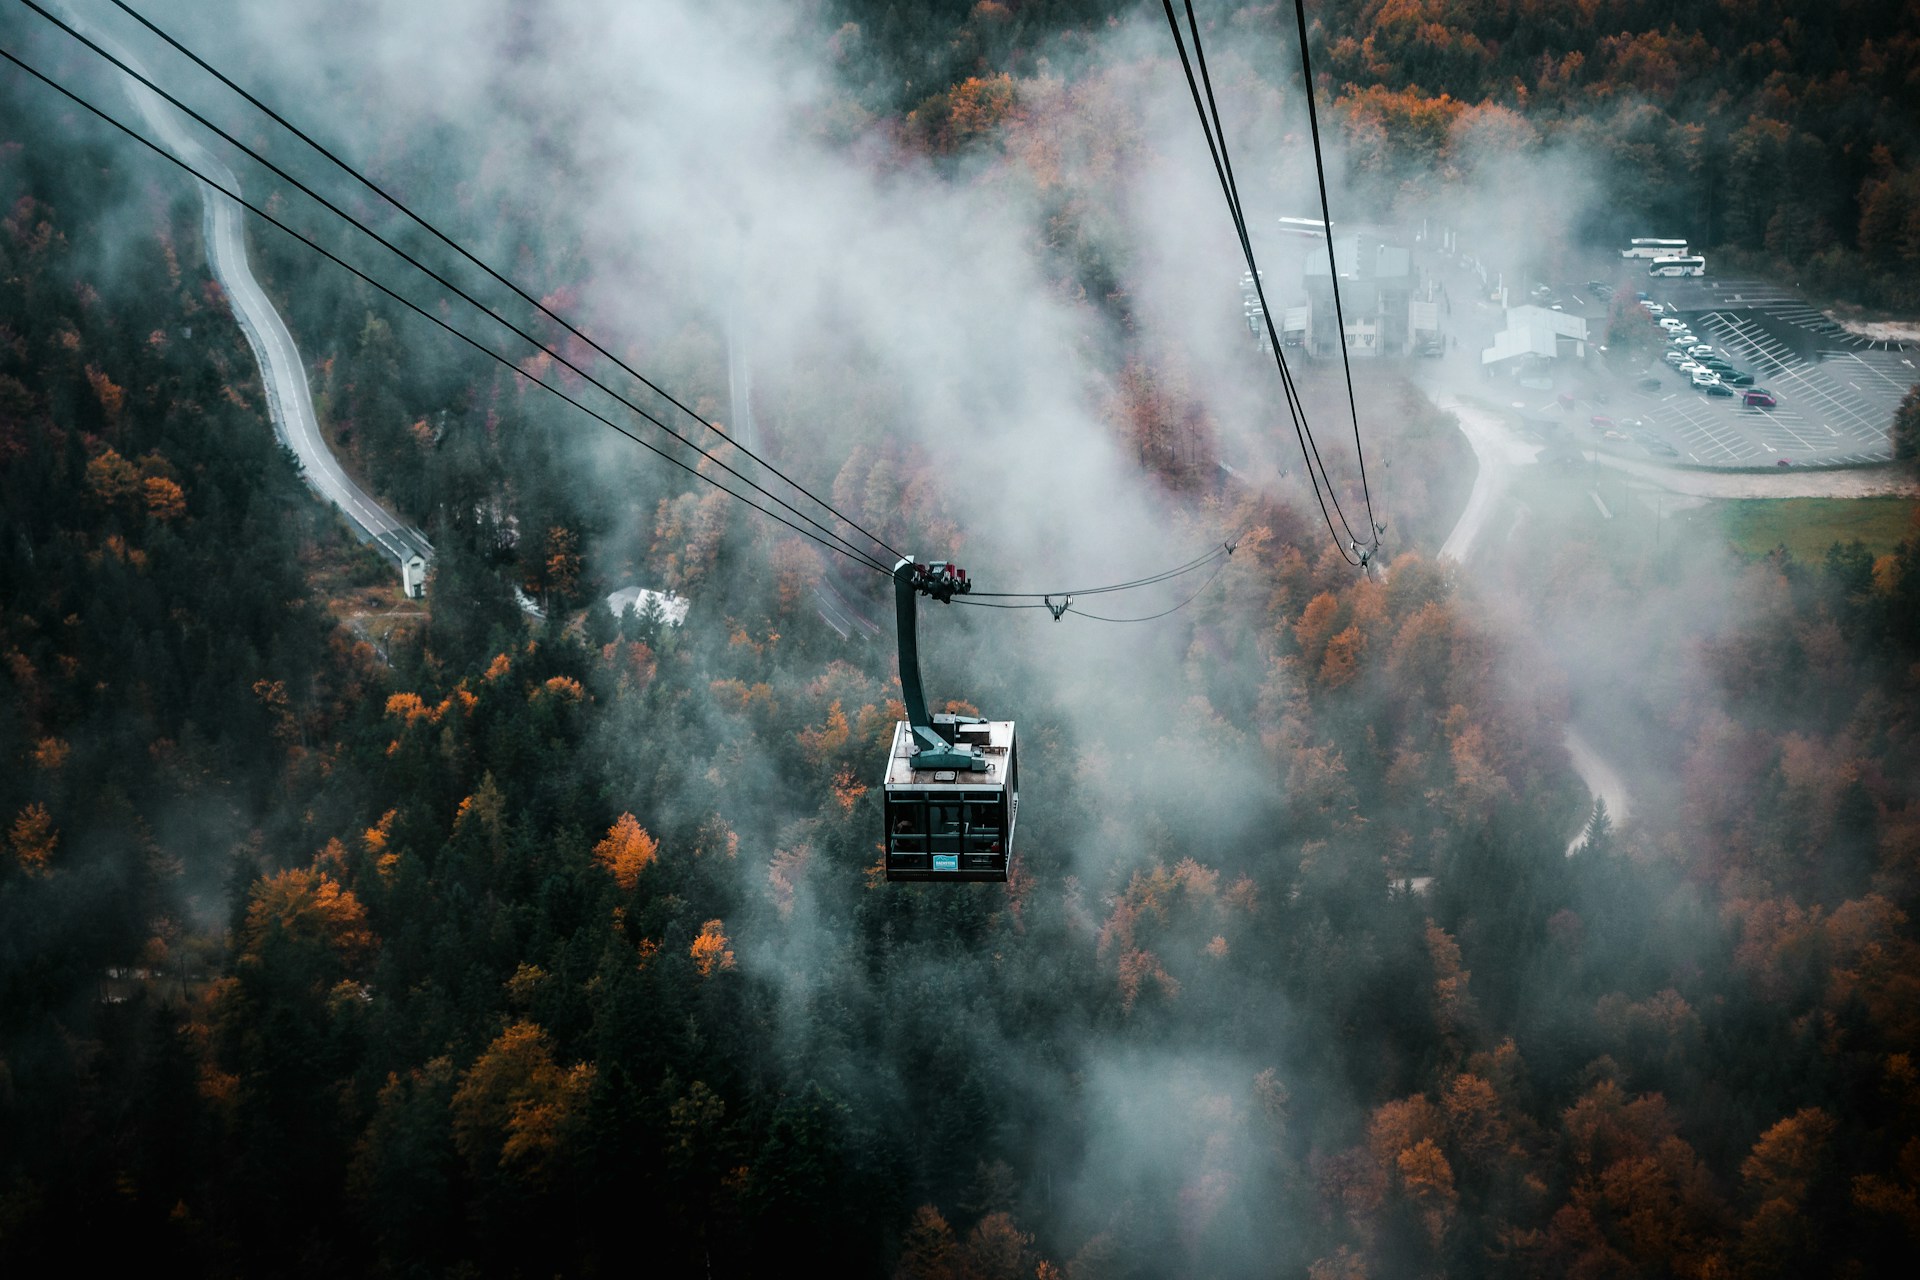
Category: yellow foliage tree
[516,1108]
[627,850]
[165,499]
[307,906]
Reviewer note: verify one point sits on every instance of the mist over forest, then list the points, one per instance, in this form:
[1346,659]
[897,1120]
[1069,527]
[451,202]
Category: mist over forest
[495,933]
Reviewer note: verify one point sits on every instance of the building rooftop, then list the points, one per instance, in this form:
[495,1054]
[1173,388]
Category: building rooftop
[1365,258]
[1533,331]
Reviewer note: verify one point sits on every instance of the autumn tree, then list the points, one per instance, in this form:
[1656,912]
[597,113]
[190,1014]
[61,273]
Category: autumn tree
[1906,428]
[626,851]
[929,1251]
[113,481]
[165,499]
[33,838]
[516,1110]
[309,911]
[710,950]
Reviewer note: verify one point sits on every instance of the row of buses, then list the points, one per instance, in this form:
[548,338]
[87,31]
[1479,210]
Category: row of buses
[1669,257]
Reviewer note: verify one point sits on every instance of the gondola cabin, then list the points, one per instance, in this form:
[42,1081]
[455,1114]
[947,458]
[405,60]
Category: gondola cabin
[949,823]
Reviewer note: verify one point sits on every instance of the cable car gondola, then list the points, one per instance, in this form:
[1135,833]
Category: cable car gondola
[952,782]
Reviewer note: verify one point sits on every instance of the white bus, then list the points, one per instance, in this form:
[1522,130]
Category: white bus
[1678,266]
[1654,249]
[1315,229]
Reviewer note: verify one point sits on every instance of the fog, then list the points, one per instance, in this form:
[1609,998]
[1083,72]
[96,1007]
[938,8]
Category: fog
[700,175]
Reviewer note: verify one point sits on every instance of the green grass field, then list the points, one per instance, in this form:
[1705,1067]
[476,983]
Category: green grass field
[1808,526]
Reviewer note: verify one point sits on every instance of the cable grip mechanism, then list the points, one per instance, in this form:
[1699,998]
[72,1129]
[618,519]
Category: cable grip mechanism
[1057,609]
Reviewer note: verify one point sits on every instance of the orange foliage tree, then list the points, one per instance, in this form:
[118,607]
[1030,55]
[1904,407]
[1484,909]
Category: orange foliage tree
[626,851]
[33,839]
[516,1110]
[309,909]
[709,949]
[165,499]
[113,481]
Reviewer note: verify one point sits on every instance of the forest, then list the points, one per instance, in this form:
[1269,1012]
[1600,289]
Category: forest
[493,944]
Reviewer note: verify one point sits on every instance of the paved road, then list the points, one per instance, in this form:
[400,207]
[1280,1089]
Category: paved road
[289,398]
[1602,779]
[1499,450]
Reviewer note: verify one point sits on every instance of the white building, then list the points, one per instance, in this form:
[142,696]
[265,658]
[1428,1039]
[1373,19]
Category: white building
[413,575]
[1533,335]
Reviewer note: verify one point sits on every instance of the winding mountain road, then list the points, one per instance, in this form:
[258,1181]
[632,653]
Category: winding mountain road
[289,398]
[1499,452]
[1602,779]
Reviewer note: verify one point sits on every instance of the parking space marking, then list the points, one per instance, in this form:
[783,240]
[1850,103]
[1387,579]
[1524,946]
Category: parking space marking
[1876,370]
[1834,399]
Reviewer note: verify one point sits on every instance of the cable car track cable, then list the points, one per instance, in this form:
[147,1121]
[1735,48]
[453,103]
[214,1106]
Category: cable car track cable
[1317,473]
[161,151]
[1333,269]
[469,298]
[838,545]
[1198,592]
[1226,548]
[460,249]
[1224,163]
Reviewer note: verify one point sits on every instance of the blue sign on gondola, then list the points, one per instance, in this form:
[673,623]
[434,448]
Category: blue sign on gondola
[946,862]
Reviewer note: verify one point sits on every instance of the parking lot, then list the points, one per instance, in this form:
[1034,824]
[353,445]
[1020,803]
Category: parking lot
[1837,391]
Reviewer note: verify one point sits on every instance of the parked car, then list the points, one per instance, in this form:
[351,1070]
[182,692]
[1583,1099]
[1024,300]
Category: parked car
[1601,422]
[1615,435]
[1705,377]
[1737,379]
[1681,338]
[1784,462]
[1671,323]
[1653,308]
[1675,358]
[1717,388]
[1691,367]
[1599,288]
[1700,349]
[1758,398]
